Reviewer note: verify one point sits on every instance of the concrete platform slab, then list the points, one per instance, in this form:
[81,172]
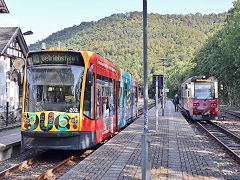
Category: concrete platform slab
[9,138]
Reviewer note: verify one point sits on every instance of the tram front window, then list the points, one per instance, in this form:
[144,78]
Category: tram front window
[54,88]
[204,90]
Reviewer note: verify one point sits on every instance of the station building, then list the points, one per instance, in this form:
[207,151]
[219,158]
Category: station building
[3,7]
[13,50]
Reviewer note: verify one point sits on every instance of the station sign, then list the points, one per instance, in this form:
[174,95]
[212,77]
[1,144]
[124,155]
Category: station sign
[166,90]
[160,81]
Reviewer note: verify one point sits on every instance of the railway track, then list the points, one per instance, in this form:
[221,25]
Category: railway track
[40,168]
[226,139]
[232,113]
[45,164]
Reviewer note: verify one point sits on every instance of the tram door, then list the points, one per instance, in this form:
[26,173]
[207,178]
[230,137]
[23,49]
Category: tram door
[125,104]
[132,99]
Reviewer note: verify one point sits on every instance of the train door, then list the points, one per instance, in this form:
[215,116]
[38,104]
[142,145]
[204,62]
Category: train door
[125,103]
[99,108]
[136,100]
[132,99]
[121,108]
[111,101]
[118,115]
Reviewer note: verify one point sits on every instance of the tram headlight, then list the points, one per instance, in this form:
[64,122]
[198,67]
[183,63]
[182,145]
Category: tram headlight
[26,120]
[74,120]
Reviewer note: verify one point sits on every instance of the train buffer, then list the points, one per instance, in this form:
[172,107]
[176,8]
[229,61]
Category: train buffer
[176,153]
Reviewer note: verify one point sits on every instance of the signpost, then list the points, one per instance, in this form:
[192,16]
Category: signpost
[157,82]
[156,103]
[164,86]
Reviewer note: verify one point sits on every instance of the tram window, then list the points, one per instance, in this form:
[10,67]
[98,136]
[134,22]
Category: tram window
[105,95]
[111,96]
[54,88]
[88,104]
[119,95]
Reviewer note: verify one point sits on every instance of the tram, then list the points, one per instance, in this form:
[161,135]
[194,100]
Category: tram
[200,97]
[74,100]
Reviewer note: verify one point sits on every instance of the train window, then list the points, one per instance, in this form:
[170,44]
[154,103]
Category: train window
[88,104]
[54,88]
[204,90]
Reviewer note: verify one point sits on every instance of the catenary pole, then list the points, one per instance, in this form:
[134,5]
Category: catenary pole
[146,136]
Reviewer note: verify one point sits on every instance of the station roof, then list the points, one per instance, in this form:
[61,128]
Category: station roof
[3,7]
[8,35]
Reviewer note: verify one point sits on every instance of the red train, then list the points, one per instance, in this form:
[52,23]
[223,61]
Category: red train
[200,97]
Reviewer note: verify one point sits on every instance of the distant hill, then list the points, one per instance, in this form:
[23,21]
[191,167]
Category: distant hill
[119,38]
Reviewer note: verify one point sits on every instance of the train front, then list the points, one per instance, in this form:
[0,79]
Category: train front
[205,101]
[51,100]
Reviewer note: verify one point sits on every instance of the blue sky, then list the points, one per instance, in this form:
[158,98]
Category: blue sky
[47,16]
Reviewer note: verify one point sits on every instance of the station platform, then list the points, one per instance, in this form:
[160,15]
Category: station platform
[10,137]
[176,153]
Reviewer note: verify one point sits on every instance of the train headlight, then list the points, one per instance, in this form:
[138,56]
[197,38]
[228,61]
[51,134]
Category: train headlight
[196,104]
[74,120]
[26,120]
[213,104]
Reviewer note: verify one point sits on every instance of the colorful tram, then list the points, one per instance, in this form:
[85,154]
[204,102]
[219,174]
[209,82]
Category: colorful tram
[74,100]
[200,97]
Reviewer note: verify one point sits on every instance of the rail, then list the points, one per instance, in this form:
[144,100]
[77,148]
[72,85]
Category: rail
[232,113]
[226,139]
[56,167]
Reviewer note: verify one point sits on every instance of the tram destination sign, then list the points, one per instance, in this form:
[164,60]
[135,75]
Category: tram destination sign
[70,58]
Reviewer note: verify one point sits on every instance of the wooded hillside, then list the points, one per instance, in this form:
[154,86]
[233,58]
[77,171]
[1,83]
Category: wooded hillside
[119,38]
[220,57]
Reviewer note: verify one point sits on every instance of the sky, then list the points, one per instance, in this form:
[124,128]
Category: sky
[45,17]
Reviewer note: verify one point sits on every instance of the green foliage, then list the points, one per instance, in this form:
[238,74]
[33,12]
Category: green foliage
[220,57]
[120,38]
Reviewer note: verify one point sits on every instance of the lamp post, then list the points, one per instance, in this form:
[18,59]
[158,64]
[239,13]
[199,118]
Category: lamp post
[164,94]
[146,136]
[27,33]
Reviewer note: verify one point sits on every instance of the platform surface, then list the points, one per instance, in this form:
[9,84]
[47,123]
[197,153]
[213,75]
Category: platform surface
[176,153]
[10,137]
